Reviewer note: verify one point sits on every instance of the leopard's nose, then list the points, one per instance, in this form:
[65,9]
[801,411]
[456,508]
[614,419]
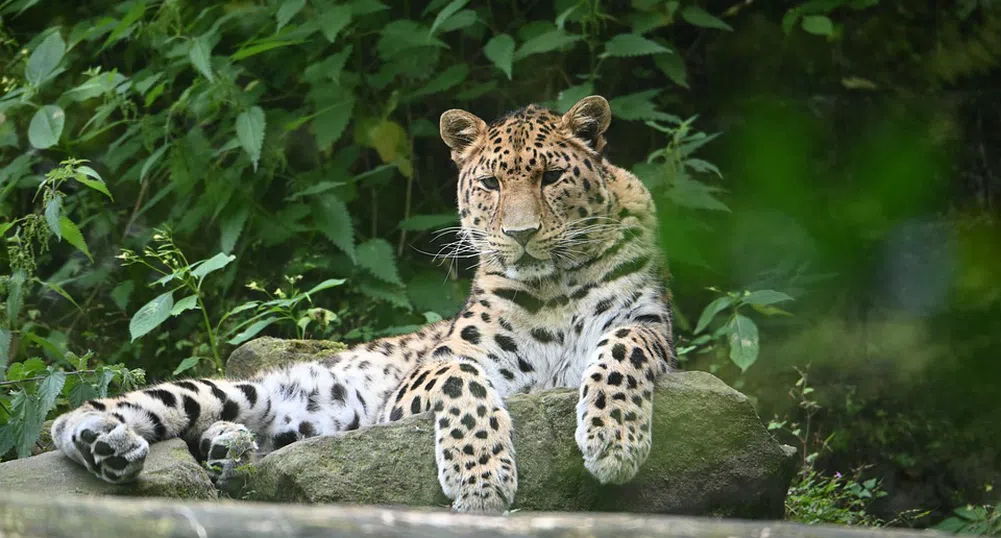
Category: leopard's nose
[522,236]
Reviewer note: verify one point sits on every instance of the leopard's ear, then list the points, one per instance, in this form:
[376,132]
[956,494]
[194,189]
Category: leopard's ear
[588,120]
[461,130]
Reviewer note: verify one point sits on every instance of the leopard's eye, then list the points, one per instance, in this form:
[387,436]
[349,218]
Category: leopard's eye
[490,183]
[551,176]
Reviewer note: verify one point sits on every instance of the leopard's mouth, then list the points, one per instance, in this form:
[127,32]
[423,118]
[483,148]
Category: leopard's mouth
[527,260]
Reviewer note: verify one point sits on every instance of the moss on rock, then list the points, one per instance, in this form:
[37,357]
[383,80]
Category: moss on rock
[265,353]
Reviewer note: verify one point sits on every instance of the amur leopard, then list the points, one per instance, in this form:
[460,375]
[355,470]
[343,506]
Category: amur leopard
[567,294]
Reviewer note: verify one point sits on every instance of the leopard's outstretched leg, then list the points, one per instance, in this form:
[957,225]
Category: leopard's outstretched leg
[473,445]
[111,436]
[615,409]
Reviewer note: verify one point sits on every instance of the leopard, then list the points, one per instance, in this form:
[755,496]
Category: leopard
[569,292]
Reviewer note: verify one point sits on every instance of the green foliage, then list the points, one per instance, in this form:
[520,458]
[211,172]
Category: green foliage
[984,520]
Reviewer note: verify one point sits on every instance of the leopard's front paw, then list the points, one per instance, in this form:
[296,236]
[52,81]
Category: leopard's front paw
[615,440]
[108,447]
[476,467]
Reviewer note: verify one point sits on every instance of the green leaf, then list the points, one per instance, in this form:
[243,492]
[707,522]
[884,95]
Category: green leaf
[72,235]
[428,222]
[500,51]
[765,297]
[743,337]
[445,80]
[462,19]
[448,11]
[151,161]
[632,45]
[376,255]
[200,55]
[386,292]
[288,10]
[46,126]
[212,264]
[818,25]
[7,437]
[673,66]
[231,226]
[30,426]
[81,392]
[61,291]
[570,96]
[90,178]
[15,293]
[264,46]
[403,35]
[188,303]
[251,331]
[549,41]
[49,390]
[121,294]
[186,364]
[334,19]
[326,284]
[151,315]
[638,106]
[250,131]
[5,338]
[44,59]
[329,125]
[54,210]
[332,219]
[124,26]
[702,18]
[710,311]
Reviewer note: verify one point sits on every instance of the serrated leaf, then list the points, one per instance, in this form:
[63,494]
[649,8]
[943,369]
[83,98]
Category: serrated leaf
[386,292]
[402,35]
[710,311]
[54,210]
[121,294]
[72,235]
[186,364]
[376,256]
[699,17]
[673,65]
[94,181]
[326,284]
[46,126]
[334,19]
[638,106]
[200,55]
[330,124]
[81,392]
[332,219]
[251,331]
[288,10]
[632,45]
[188,303]
[818,25]
[446,12]
[5,338]
[49,390]
[212,264]
[765,297]
[549,41]
[44,59]
[250,126]
[124,26]
[30,426]
[743,338]
[500,51]
[231,226]
[151,315]
[428,222]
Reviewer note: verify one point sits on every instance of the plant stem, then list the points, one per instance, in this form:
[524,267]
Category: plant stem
[42,377]
[211,332]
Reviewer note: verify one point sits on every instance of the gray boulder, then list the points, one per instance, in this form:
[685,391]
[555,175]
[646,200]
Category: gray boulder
[711,456]
[170,471]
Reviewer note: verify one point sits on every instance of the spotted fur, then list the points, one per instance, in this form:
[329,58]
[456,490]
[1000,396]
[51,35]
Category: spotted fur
[567,294]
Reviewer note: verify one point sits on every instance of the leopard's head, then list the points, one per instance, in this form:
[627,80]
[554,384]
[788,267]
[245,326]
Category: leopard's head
[533,197]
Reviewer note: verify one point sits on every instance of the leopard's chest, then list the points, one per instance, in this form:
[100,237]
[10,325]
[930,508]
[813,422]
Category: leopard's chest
[552,345]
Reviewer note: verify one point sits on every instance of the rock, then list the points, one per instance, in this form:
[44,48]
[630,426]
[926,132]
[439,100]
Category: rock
[265,353]
[170,471]
[711,456]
